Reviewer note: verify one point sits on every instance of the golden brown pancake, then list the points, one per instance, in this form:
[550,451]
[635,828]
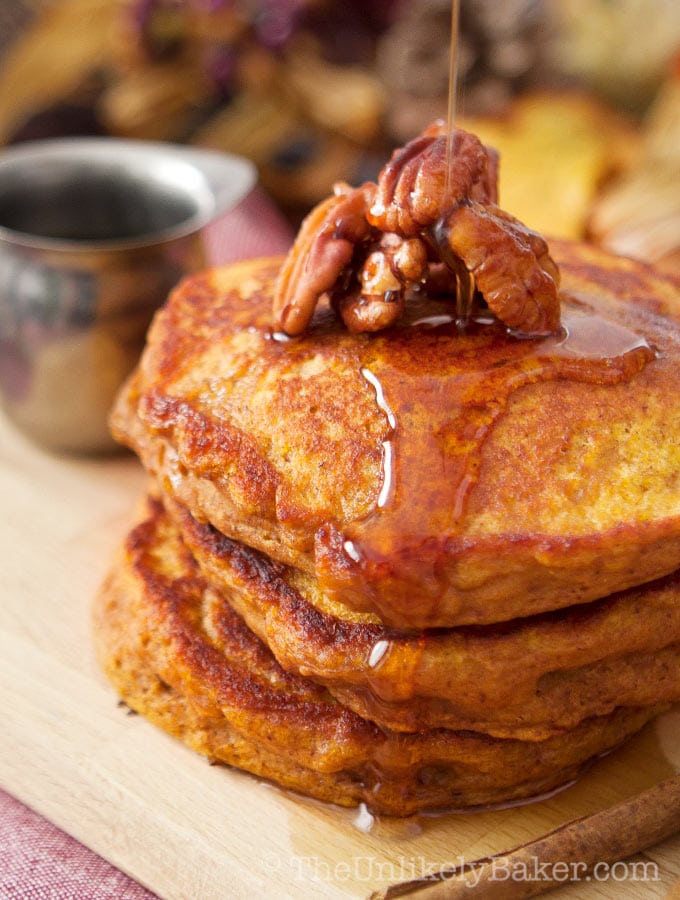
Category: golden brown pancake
[528,679]
[178,654]
[430,476]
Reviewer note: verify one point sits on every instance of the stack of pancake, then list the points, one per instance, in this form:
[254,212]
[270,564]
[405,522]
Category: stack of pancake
[427,568]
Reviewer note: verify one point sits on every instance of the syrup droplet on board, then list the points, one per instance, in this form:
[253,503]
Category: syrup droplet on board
[364,819]
[441,392]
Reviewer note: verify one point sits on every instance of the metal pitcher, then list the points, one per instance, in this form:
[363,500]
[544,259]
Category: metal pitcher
[93,234]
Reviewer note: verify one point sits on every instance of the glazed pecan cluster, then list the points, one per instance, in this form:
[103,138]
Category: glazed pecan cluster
[431,223]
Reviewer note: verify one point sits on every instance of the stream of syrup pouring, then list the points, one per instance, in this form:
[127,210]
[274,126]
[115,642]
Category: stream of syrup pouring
[453,91]
[464,282]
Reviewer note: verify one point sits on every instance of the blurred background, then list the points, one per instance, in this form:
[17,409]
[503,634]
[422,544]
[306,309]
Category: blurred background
[581,97]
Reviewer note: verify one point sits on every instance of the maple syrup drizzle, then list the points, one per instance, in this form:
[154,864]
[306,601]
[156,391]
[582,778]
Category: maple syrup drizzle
[386,489]
[441,389]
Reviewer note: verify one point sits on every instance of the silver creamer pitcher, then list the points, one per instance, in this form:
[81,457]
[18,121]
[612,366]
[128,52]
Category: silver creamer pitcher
[93,234]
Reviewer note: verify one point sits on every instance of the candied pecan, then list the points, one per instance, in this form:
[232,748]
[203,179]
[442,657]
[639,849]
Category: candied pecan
[389,267]
[415,189]
[509,262]
[322,251]
[360,313]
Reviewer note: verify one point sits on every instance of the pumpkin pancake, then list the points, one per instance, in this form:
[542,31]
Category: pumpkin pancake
[528,679]
[178,654]
[429,475]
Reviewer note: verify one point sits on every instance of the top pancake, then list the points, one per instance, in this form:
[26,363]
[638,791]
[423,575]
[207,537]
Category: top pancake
[426,475]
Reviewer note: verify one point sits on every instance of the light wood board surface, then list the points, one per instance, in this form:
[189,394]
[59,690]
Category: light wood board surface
[181,827]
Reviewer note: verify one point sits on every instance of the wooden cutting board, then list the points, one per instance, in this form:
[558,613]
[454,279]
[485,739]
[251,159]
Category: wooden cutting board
[162,814]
